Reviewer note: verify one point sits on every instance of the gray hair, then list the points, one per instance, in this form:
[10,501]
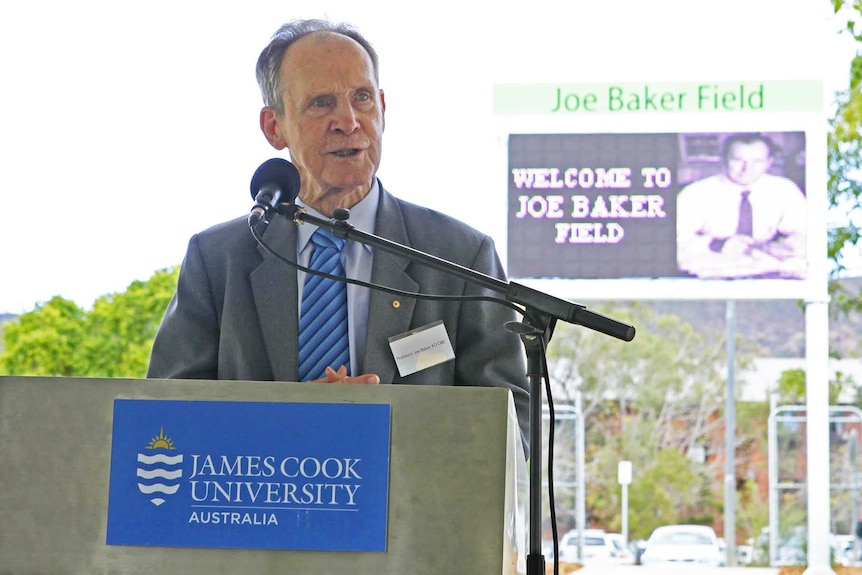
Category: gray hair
[270,59]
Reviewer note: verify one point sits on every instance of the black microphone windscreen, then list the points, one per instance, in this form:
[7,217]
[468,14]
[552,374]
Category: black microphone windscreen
[278,172]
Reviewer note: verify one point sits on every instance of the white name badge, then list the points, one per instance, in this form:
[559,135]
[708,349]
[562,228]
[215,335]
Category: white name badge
[421,348]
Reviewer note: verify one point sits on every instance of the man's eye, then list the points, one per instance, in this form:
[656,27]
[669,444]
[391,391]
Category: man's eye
[364,97]
[319,103]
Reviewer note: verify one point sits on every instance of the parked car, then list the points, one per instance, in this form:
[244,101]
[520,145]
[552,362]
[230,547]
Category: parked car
[596,547]
[744,554]
[548,551]
[792,548]
[638,547]
[599,547]
[623,554]
[844,549]
[683,544]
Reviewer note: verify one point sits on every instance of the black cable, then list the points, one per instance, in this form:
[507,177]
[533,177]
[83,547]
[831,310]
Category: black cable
[550,462]
[382,288]
[524,313]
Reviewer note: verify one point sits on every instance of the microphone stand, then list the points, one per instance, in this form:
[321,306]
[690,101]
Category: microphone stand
[541,312]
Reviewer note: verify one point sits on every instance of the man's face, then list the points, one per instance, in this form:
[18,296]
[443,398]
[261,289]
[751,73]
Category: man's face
[747,162]
[333,117]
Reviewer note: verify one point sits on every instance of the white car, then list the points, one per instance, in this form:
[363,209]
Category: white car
[596,547]
[683,544]
[623,555]
[599,547]
[844,549]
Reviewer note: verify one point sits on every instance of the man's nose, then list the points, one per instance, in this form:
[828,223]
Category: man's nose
[344,119]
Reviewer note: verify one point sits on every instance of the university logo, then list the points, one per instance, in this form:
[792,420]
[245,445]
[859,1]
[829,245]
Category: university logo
[180,477]
[159,472]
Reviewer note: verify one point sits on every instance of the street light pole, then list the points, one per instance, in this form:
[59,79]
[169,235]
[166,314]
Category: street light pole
[624,476]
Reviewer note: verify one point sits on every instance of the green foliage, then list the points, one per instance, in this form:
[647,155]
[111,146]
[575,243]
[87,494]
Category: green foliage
[667,359]
[751,418]
[122,327]
[665,492]
[45,341]
[114,339]
[752,509]
[792,385]
[649,401]
[668,490]
[844,155]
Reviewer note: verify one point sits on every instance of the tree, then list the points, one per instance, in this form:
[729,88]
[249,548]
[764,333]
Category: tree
[114,339]
[655,401]
[122,327]
[664,493]
[45,341]
[791,386]
[844,155]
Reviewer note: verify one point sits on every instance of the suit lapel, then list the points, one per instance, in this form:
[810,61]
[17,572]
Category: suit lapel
[276,298]
[273,284]
[388,314]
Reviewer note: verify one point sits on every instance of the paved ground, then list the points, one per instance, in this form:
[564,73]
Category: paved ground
[665,570]
[674,570]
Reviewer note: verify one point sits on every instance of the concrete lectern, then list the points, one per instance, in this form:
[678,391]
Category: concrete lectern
[457,486]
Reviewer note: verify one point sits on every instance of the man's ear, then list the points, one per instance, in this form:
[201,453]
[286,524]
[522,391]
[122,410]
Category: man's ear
[383,109]
[269,120]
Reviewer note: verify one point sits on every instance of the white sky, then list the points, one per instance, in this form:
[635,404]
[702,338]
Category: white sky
[127,127]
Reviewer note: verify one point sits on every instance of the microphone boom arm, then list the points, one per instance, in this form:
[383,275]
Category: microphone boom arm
[530,298]
[541,312]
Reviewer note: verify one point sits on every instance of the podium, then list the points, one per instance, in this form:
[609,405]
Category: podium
[457,485]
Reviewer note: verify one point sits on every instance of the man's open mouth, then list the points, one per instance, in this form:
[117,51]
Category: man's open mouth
[345,153]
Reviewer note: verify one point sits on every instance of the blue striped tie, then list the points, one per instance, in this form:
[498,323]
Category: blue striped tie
[323,339]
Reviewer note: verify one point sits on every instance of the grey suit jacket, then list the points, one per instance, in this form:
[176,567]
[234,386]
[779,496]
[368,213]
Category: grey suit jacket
[235,311]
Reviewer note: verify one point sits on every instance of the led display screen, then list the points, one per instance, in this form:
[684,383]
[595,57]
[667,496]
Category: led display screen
[660,205]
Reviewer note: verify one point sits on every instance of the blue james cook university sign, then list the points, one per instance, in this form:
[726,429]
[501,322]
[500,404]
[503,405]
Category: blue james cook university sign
[249,475]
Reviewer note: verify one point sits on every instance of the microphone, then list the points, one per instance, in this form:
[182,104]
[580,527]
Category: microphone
[276,181]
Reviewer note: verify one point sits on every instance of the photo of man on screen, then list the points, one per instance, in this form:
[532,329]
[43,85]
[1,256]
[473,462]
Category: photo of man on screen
[748,220]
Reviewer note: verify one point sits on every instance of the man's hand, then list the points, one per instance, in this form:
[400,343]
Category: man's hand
[739,246]
[341,376]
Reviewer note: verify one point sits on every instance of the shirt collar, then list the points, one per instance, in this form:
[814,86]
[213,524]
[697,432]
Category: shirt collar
[362,216]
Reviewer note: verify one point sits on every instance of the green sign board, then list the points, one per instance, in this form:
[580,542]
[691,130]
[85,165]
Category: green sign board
[657,98]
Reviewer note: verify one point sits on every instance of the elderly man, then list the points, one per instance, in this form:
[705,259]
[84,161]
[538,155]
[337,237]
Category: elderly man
[238,312]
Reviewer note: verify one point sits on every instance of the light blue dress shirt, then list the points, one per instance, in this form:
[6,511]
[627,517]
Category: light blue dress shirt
[356,259]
